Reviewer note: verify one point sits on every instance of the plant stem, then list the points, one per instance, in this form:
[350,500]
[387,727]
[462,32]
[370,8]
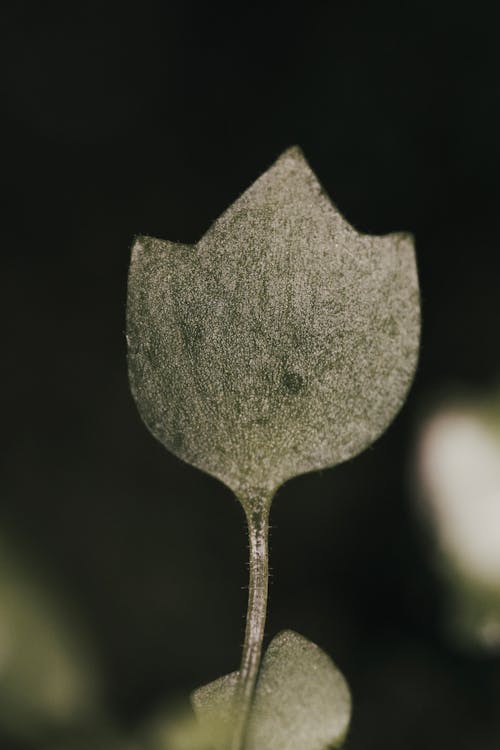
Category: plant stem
[257,514]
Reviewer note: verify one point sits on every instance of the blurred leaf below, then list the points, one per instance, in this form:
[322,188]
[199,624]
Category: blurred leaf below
[48,677]
[302,701]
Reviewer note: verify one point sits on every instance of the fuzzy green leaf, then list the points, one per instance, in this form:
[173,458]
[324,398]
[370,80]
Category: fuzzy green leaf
[302,701]
[281,343]
[48,670]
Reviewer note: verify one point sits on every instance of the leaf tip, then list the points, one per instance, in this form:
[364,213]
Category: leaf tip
[404,240]
[139,245]
[293,152]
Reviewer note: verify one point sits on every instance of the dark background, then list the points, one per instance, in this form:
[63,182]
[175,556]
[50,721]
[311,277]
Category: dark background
[153,119]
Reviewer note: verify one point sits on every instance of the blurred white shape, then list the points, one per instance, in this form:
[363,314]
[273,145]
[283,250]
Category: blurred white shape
[489,632]
[460,471]
[458,465]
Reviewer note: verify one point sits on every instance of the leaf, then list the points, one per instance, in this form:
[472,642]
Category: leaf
[175,728]
[213,706]
[302,701]
[48,672]
[281,343]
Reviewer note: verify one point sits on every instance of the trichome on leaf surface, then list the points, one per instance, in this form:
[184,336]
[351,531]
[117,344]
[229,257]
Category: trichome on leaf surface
[283,342]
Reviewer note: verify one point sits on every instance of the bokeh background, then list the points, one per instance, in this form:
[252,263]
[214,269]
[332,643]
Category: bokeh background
[152,118]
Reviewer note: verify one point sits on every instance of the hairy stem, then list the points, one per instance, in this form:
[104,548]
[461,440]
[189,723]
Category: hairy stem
[257,513]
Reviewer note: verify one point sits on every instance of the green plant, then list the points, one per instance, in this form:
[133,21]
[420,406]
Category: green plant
[283,342]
